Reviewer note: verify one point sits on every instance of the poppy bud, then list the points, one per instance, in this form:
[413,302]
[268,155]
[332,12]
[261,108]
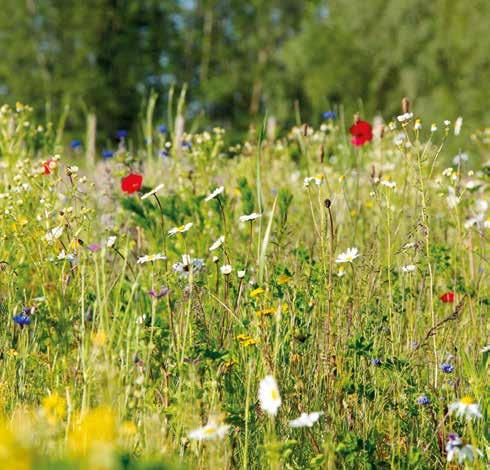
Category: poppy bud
[327,203]
[405,105]
[322,153]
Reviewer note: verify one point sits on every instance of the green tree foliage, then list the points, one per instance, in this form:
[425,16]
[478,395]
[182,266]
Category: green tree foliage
[241,59]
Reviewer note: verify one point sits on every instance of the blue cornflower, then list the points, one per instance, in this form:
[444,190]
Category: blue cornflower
[376,362]
[423,400]
[162,128]
[107,153]
[22,319]
[447,368]
[186,145]
[121,134]
[163,153]
[75,144]
[329,115]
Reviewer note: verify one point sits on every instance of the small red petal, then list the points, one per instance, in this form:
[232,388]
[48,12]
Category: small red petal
[47,169]
[448,297]
[132,183]
[361,132]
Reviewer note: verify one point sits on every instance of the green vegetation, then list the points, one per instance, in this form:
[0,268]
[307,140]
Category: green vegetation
[149,294]
[241,60]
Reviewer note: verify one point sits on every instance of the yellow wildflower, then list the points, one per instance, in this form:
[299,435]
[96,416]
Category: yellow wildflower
[283,279]
[54,408]
[257,292]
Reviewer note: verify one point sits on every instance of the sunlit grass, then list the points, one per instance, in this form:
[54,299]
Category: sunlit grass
[140,318]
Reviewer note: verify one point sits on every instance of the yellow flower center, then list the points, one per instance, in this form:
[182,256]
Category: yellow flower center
[467,400]
[274,394]
[210,430]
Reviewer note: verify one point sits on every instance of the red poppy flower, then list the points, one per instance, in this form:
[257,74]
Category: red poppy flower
[447,298]
[361,132]
[47,166]
[131,183]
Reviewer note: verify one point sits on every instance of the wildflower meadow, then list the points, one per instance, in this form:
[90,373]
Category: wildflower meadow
[317,298]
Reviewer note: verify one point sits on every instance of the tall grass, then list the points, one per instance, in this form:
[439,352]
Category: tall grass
[119,360]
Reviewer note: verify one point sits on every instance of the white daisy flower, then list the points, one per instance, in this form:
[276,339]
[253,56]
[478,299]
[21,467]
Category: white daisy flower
[405,117]
[67,256]
[269,397]
[451,199]
[388,184]
[418,125]
[481,205]
[150,258]
[347,257]
[485,349]
[215,193]
[341,272]
[433,128]
[456,448]
[226,269]
[153,191]
[447,122]
[409,268]
[472,184]
[212,430]
[111,241]
[465,407]
[217,243]
[181,229]
[457,125]
[252,216]
[317,179]
[460,158]
[54,234]
[306,420]
[241,274]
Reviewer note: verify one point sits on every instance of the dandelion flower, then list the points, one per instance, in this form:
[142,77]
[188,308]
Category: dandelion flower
[257,292]
[349,256]
[215,193]
[283,279]
[466,407]
[250,217]
[181,229]
[306,420]
[212,430]
[269,397]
